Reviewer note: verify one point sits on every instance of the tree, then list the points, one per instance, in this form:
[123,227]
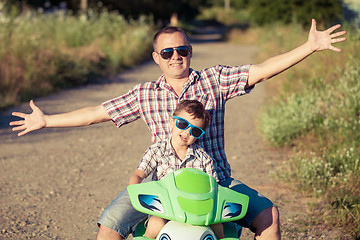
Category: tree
[295,11]
[159,9]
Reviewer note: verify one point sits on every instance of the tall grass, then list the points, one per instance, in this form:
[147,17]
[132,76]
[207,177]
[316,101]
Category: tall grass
[40,53]
[315,109]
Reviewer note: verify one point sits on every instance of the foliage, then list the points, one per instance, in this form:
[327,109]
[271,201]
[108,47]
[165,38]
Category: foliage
[291,118]
[159,9]
[259,12]
[264,12]
[235,4]
[319,118]
[321,121]
[227,17]
[65,50]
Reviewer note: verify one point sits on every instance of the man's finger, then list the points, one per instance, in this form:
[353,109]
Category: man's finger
[19,128]
[333,28]
[23,133]
[336,40]
[313,25]
[32,105]
[338,34]
[19,114]
[335,49]
[17,123]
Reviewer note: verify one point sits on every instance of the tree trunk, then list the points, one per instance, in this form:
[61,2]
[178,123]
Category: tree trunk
[227,5]
[174,19]
[83,6]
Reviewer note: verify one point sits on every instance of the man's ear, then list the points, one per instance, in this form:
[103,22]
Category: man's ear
[155,57]
[191,51]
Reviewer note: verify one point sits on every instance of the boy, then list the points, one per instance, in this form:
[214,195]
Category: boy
[179,151]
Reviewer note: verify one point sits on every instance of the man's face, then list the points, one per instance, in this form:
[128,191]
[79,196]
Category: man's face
[176,67]
[180,137]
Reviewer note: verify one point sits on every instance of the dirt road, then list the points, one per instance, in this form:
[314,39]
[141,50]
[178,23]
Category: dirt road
[55,182]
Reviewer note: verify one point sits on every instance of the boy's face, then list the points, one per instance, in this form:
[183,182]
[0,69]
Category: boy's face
[183,137]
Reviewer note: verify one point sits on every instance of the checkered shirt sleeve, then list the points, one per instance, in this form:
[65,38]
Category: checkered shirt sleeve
[124,109]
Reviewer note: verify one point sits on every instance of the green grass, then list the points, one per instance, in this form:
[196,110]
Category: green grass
[40,53]
[315,111]
[327,116]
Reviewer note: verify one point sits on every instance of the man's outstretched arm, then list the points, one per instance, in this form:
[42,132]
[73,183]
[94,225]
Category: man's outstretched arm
[37,119]
[317,41]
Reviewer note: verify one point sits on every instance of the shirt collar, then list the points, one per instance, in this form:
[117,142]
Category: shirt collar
[193,76]
[189,153]
[191,150]
[168,148]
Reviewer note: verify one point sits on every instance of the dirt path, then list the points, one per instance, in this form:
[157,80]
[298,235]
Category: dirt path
[55,182]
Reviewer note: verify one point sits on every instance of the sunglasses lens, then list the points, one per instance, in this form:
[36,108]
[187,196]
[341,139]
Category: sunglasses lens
[183,50]
[182,124]
[196,132]
[167,53]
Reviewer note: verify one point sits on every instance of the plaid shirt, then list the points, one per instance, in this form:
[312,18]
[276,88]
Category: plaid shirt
[161,159]
[154,102]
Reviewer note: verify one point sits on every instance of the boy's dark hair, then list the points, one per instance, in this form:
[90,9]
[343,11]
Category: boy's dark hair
[195,109]
[169,30]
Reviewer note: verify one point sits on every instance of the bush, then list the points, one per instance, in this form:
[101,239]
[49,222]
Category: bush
[289,119]
[264,12]
[65,50]
[332,169]
[319,118]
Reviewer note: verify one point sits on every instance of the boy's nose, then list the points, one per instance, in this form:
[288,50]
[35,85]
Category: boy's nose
[187,130]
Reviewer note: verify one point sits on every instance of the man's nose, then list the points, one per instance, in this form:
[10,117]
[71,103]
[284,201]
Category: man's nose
[176,55]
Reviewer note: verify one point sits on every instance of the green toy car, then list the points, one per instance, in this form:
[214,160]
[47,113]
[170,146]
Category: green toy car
[191,200]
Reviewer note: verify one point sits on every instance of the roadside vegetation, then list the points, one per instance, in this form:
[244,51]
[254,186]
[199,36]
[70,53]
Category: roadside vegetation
[314,110]
[42,53]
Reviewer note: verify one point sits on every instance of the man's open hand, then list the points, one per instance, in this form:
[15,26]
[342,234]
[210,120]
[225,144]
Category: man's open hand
[323,40]
[30,122]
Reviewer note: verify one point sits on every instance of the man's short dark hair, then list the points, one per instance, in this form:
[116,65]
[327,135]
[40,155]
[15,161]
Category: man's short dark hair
[169,30]
[195,109]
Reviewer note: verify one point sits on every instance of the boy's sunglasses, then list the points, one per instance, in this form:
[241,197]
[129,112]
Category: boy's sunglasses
[182,124]
[167,53]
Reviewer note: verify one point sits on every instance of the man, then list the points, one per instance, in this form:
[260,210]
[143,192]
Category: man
[155,101]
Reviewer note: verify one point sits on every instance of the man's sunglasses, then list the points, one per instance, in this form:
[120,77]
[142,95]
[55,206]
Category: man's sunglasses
[167,53]
[182,124]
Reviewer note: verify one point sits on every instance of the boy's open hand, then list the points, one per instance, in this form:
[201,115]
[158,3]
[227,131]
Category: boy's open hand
[322,40]
[31,122]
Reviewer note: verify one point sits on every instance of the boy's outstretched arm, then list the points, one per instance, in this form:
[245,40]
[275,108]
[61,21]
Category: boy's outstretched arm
[137,177]
[37,119]
[317,41]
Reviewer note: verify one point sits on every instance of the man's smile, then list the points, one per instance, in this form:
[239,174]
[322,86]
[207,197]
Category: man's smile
[176,64]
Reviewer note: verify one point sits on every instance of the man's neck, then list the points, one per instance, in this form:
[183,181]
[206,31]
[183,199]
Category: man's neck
[177,84]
